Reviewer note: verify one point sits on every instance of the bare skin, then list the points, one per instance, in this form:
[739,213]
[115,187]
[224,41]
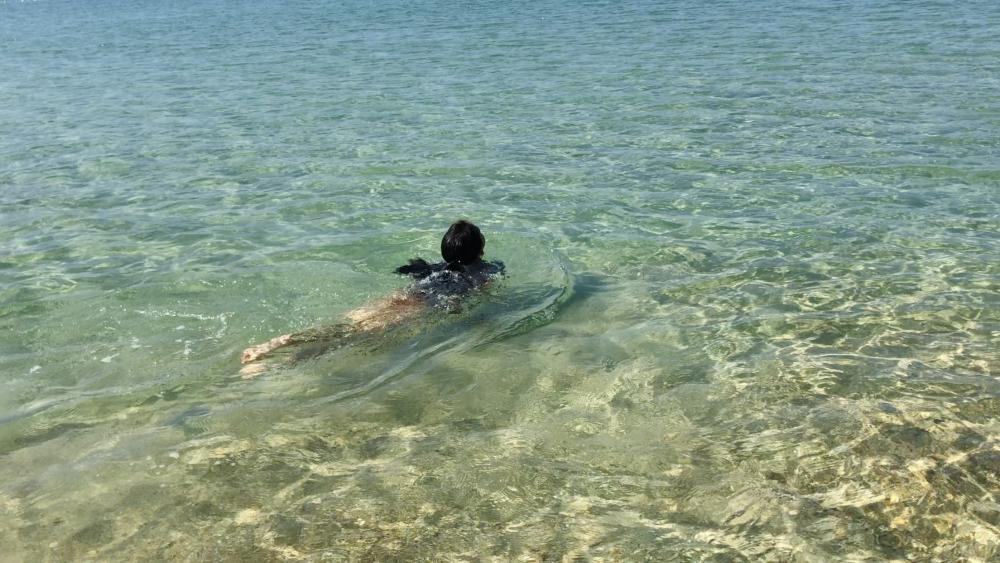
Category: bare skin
[379,315]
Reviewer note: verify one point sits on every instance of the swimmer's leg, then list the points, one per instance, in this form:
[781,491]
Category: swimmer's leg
[387,312]
[374,318]
[306,345]
[254,353]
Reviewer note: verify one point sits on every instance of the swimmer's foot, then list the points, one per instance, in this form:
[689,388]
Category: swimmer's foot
[254,353]
[251,371]
[251,354]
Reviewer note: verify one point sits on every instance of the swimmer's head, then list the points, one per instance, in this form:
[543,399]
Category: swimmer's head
[463,243]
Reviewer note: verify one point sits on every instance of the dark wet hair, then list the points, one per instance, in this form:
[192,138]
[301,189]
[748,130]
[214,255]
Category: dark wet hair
[463,243]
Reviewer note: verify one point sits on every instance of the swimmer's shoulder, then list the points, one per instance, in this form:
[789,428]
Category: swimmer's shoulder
[490,268]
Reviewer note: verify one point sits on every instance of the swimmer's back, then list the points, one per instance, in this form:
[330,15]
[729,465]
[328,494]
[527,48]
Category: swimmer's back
[441,283]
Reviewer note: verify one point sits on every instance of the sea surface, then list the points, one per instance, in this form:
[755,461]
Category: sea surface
[752,309]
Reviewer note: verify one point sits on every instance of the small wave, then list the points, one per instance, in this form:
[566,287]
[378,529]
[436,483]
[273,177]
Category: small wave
[530,296]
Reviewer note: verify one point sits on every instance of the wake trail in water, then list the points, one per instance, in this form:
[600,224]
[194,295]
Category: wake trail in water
[511,308]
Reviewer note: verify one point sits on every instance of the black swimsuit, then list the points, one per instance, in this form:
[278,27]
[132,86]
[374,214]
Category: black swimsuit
[441,286]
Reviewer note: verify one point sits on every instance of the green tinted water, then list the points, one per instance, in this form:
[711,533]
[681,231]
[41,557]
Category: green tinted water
[752,309]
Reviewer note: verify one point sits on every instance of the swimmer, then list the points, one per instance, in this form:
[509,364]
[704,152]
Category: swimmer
[440,285]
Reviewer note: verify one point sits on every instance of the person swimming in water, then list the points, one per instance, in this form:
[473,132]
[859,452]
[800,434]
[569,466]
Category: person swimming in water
[440,285]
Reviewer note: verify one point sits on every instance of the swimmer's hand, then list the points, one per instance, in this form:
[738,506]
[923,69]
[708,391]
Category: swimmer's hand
[417,268]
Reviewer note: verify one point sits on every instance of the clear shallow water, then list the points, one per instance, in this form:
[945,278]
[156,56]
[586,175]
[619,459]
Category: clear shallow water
[752,313]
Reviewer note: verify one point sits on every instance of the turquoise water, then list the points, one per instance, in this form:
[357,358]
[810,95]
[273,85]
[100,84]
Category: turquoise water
[752,311]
